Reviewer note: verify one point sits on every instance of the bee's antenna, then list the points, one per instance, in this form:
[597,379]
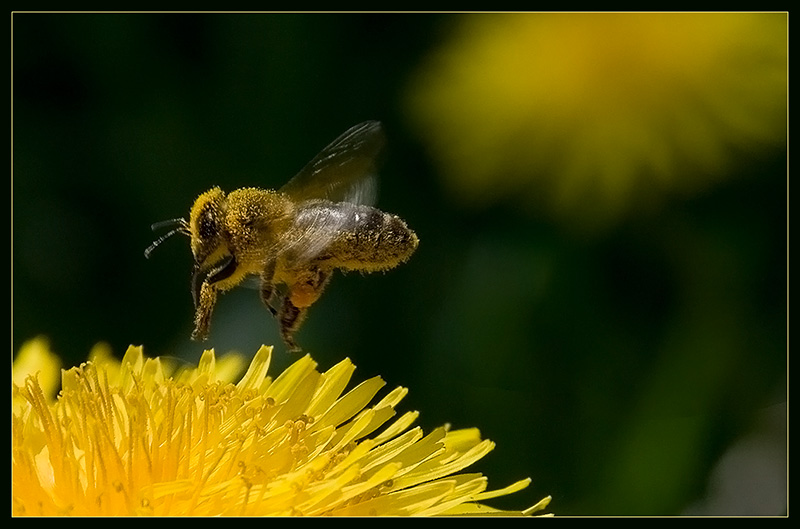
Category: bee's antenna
[171,223]
[177,225]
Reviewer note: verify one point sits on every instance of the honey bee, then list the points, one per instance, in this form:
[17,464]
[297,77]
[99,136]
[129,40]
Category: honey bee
[291,240]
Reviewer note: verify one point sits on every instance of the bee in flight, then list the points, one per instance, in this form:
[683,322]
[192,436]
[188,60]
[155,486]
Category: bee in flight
[291,240]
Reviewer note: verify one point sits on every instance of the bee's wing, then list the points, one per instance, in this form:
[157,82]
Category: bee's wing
[345,170]
[317,224]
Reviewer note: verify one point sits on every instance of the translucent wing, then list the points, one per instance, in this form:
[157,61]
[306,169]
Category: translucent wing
[330,188]
[345,170]
[320,222]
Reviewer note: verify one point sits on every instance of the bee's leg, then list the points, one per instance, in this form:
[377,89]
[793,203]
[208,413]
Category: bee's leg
[267,287]
[301,295]
[309,286]
[205,306]
[204,293]
[290,318]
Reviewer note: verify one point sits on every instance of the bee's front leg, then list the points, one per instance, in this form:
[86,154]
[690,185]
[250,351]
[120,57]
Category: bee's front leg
[205,306]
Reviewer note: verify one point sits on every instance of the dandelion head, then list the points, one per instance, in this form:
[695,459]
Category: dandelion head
[137,437]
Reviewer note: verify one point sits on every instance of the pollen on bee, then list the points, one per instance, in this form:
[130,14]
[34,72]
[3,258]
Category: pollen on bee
[303,296]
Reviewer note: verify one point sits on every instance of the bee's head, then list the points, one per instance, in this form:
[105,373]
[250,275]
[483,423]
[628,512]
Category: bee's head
[207,226]
[204,227]
[213,259]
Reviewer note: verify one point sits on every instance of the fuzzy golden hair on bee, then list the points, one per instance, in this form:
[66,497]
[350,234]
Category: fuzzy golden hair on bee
[294,238]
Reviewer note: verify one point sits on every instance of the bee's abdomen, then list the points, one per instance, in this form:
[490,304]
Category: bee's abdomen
[373,241]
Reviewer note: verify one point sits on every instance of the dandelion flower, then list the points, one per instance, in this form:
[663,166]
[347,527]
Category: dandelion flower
[591,115]
[137,438]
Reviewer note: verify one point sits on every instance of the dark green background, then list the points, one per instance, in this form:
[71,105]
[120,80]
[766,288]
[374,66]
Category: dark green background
[614,369]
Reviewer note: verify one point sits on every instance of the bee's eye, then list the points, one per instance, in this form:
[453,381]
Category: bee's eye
[207,223]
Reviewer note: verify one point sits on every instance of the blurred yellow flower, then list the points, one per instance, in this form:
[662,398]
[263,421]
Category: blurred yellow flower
[135,438]
[35,358]
[591,115]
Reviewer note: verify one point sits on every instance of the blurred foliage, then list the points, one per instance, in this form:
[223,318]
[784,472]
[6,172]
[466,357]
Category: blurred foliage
[617,366]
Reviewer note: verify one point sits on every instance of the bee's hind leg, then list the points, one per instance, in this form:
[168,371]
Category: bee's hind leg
[298,299]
